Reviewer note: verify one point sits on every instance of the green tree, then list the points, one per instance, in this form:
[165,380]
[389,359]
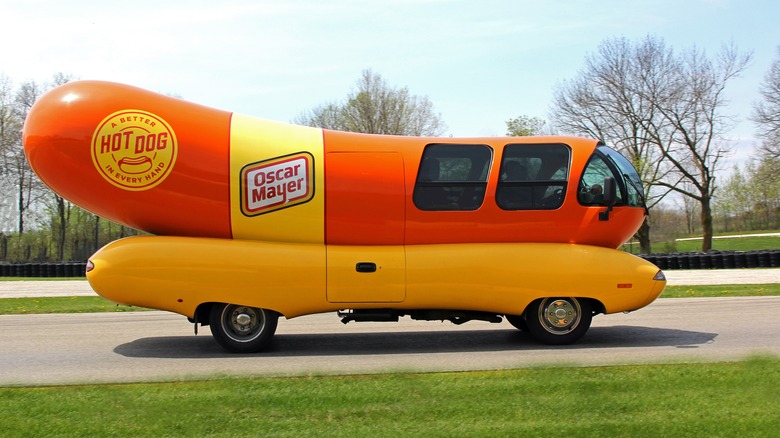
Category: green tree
[374,107]
[750,196]
[524,126]
[765,188]
[734,201]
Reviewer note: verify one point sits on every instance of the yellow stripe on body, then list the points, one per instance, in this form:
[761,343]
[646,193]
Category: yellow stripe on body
[262,151]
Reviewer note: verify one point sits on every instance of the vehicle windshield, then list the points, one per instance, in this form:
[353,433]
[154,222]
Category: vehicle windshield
[636,194]
[608,162]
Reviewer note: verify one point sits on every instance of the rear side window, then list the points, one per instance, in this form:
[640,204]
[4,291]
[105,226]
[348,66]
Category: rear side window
[533,176]
[452,177]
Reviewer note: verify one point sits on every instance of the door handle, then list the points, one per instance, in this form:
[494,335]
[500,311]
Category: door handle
[365,267]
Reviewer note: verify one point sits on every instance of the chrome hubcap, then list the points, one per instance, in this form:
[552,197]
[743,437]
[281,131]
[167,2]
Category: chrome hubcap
[242,320]
[560,315]
[241,323]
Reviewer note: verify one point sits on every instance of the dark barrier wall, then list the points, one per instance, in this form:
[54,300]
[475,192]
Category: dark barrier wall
[692,260]
[64,269]
[716,260]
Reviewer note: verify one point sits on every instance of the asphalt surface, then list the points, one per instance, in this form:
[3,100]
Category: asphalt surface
[159,346]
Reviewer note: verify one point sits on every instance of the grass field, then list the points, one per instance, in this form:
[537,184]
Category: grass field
[22,306]
[728,290]
[741,244]
[720,399]
[735,244]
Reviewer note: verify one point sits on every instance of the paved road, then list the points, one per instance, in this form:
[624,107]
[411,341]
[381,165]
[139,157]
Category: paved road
[64,288]
[158,346]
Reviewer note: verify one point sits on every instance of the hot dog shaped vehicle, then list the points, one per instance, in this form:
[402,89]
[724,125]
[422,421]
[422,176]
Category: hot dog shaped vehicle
[252,220]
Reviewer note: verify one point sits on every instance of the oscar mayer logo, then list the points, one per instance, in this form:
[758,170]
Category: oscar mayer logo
[134,150]
[277,183]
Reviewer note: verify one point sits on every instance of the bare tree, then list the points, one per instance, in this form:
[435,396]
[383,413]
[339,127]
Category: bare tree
[376,108]
[10,135]
[15,170]
[612,99]
[693,106]
[766,113]
[26,198]
[62,206]
[664,111]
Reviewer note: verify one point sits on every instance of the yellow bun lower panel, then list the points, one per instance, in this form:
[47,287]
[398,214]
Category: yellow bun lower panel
[178,274]
[505,278]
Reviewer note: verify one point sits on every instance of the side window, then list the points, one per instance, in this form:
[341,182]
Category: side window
[591,189]
[533,176]
[452,177]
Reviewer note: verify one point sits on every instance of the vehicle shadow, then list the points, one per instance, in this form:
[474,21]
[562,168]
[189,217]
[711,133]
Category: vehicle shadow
[397,343]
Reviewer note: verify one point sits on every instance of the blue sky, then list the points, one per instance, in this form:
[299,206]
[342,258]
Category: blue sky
[479,62]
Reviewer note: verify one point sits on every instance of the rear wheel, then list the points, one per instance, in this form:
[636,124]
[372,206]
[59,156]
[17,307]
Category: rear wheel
[242,329]
[560,320]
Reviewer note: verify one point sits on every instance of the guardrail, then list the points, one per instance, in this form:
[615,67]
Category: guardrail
[63,269]
[716,259]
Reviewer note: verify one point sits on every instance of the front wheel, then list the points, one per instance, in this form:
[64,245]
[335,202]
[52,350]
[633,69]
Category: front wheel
[558,321]
[242,329]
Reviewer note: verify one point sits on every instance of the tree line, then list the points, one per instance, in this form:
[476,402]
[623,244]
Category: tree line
[37,225]
[664,110]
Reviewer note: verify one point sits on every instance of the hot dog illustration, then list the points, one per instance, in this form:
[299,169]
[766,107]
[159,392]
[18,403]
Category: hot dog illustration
[255,219]
[135,165]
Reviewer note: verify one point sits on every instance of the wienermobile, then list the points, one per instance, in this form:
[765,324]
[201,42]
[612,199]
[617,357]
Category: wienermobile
[250,220]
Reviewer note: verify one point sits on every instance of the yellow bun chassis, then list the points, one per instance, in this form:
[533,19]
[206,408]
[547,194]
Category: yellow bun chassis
[240,288]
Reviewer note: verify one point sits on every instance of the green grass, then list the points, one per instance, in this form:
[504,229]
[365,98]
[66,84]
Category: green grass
[736,244]
[730,290]
[22,306]
[719,399]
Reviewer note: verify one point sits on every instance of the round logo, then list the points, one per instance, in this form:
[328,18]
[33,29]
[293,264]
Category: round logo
[134,150]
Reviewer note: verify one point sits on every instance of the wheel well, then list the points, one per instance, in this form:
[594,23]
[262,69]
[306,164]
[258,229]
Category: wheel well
[596,305]
[202,313]
[204,309]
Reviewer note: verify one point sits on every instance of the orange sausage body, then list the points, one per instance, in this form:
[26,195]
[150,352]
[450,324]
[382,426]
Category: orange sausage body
[170,167]
[194,198]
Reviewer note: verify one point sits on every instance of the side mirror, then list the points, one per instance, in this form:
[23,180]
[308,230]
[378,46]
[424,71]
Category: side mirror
[610,196]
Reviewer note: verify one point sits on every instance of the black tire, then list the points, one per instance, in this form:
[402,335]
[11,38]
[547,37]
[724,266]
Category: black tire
[517,322]
[242,329]
[559,320]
